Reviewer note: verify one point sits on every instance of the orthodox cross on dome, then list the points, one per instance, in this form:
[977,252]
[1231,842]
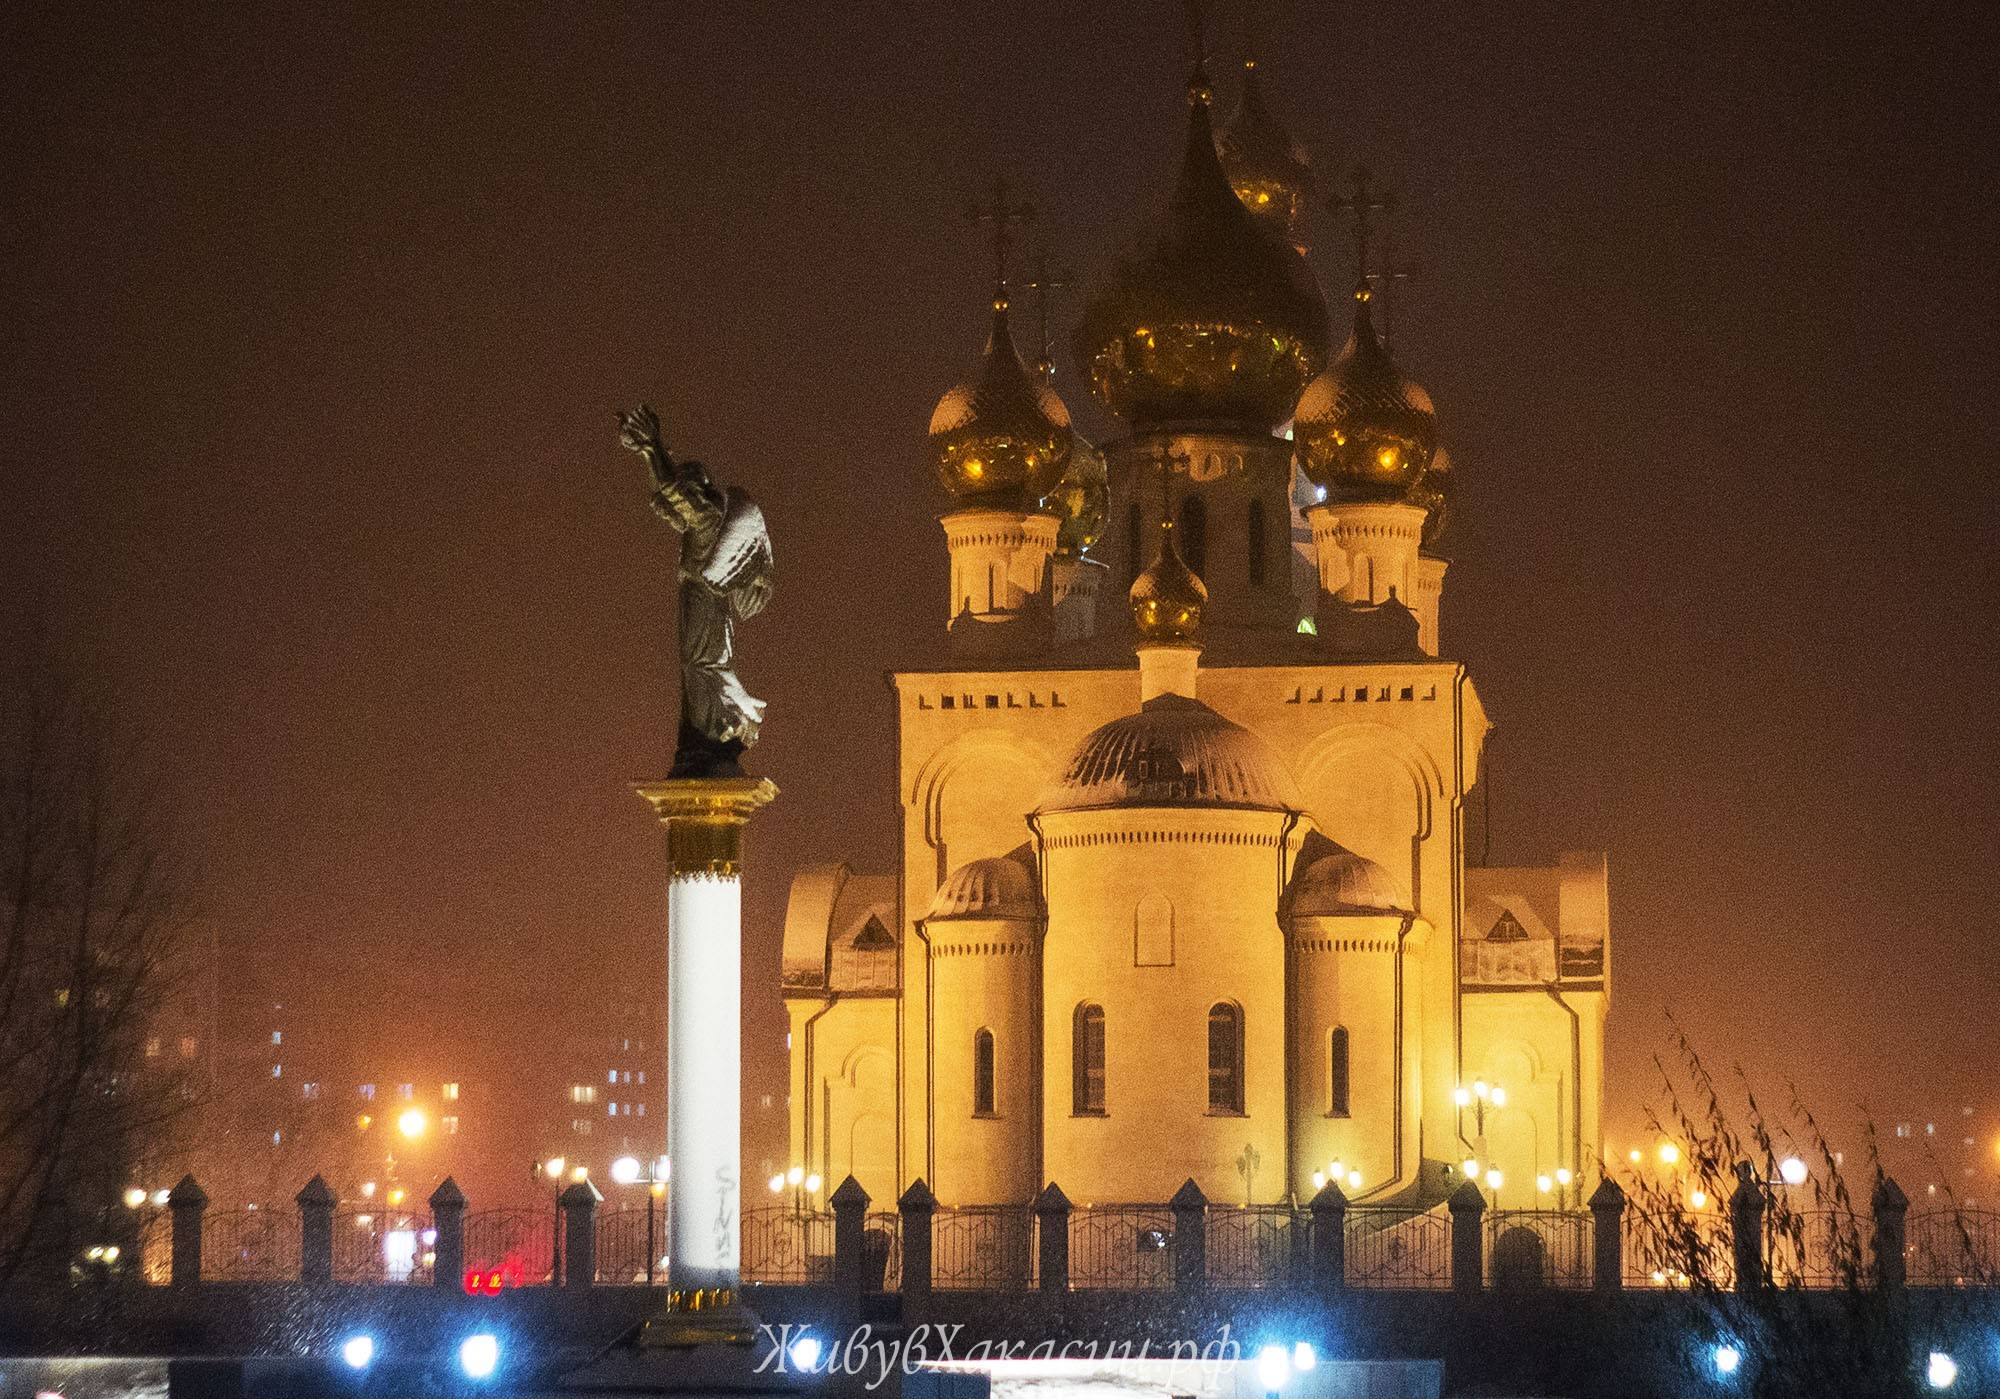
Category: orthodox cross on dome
[1002,216]
[1043,280]
[1195,17]
[1165,463]
[1384,284]
[1365,200]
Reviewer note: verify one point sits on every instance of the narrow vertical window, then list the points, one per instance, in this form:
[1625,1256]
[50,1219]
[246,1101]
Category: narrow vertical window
[1087,1060]
[1337,1071]
[982,1073]
[1225,1058]
[1194,533]
[1254,530]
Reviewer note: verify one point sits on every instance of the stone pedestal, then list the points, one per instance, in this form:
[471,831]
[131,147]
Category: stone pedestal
[704,817]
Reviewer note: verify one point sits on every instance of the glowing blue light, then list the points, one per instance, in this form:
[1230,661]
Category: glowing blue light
[1727,1359]
[357,1352]
[479,1356]
[804,1353]
[1942,1371]
[1303,1357]
[1274,1367]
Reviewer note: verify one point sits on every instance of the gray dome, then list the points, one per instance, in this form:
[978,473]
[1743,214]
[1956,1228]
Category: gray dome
[1344,883]
[1174,752]
[1001,887]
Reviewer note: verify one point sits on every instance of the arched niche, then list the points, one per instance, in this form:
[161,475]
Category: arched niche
[975,794]
[1373,789]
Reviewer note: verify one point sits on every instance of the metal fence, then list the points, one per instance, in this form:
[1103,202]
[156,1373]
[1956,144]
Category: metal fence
[250,1245]
[1677,1248]
[983,1246]
[1393,1248]
[1538,1248]
[1121,1246]
[624,1239]
[517,1244]
[1257,1246]
[783,1245]
[1959,1248]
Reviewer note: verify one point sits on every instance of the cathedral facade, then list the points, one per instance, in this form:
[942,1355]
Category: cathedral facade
[1184,888]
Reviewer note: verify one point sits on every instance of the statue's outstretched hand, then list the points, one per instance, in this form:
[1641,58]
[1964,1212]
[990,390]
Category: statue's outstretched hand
[639,431]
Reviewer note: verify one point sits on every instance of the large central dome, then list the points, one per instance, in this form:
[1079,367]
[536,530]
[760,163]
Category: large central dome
[1174,752]
[1221,321]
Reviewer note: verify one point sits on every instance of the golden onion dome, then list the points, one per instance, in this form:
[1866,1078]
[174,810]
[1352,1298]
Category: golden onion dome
[1080,500]
[1221,321]
[1168,598]
[1362,431]
[1002,437]
[1269,171]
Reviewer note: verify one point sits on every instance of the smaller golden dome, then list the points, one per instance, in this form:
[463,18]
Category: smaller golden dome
[1002,437]
[1268,169]
[1435,494]
[1167,599]
[1080,500]
[1362,431]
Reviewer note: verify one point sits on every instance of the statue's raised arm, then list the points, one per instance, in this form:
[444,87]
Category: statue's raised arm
[725,577]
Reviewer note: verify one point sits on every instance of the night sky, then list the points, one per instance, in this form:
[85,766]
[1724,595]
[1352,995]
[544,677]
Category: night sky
[316,323]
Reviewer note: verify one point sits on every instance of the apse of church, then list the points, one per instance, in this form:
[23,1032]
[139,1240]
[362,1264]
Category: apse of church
[1184,891]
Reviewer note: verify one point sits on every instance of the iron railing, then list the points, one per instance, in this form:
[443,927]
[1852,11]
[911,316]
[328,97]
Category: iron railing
[517,1244]
[1953,1248]
[1392,1248]
[783,1245]
[250,1245]
[983,1247]
[621,1238]
[1538,1248]
[1121,1246]
[1257,1246]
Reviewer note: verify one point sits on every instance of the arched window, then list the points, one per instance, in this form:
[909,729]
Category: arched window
[1087,1061]
[1135,547]
[1254,527]
[1337,1071]
[982,1073]
[1194,533]
[1225,1058]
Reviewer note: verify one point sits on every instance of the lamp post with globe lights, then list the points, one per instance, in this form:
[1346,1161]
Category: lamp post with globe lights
[802,1184]
[654,1175]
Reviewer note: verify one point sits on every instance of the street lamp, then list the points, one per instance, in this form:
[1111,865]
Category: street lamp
[802,1183]
[412,1123]
[627,1170]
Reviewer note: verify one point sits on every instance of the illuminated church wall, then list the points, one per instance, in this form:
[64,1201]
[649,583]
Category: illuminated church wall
[1211,861]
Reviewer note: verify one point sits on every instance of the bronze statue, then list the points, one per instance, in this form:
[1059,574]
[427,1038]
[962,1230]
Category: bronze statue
[725,577]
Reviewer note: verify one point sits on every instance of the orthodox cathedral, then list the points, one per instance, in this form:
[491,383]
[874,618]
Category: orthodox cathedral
[1184,889]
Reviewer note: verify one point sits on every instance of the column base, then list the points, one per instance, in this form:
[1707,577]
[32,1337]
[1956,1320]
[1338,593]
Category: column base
[700,1316]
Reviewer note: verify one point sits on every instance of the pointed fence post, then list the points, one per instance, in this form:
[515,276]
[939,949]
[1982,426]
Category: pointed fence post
[315,1204]
[1746,1228]
[1607,1236]
[1329,1238]
[850,1222]
[1052,1209]
[1891,1206]
[448,1218]
[917,1205]
[1468,1210]
[187,1201]
[579,1202]
[1190,1209]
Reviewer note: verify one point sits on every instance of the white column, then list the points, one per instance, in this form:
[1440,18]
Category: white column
[704,817]
[704,1079]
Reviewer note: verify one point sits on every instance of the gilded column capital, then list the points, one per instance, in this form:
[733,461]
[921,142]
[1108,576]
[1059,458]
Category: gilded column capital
[704,817]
